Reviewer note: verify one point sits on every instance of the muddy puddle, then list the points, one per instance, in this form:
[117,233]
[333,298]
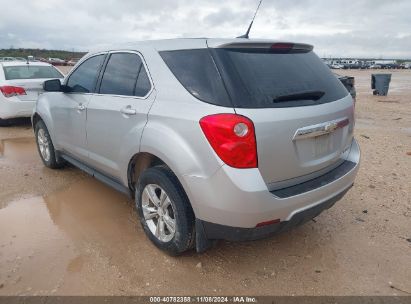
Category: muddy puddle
[85,239]
[47,238]
[21,150]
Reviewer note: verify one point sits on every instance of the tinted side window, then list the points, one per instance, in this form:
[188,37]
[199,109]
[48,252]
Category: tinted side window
[196,71]
[121,73]
[84,78]
[143,84]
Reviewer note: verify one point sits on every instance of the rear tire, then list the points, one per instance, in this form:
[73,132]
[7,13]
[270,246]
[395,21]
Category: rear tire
[45,147]
[165,211]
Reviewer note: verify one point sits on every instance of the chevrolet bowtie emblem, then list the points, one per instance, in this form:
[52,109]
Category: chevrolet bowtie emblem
[321,129]
[331,127]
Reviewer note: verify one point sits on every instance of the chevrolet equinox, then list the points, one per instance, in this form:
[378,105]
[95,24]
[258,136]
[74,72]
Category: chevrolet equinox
[233,139]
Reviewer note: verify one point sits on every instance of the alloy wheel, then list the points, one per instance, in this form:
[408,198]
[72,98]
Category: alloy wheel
[158,212]
[44,145]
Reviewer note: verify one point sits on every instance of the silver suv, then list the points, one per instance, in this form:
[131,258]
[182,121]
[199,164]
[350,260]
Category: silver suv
[215,139]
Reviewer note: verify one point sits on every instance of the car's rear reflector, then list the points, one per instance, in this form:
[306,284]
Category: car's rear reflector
[10,91]
[268,223]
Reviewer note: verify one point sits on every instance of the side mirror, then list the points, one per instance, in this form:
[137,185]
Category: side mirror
[53,85]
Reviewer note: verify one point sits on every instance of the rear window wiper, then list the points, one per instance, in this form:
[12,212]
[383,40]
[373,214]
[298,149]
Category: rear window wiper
[309,95]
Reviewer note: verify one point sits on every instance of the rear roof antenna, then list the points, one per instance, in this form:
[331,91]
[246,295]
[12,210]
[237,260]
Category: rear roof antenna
[251,24]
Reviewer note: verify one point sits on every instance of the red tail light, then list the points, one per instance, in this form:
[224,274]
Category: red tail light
[10,91]
[233,139]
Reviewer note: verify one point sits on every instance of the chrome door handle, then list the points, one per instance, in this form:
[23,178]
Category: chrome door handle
[81,107]
[128,111]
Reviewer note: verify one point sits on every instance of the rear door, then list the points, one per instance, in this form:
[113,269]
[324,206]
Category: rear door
[117,115]
[69,109]
[303,115]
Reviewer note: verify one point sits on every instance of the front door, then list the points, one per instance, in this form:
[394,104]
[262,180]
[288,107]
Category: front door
[70,109]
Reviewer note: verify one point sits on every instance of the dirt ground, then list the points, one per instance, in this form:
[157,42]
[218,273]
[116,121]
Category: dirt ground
[64,233]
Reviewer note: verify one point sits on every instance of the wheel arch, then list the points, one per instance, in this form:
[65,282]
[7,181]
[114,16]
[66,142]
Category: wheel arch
[35,119]
[138,163]
[145,160]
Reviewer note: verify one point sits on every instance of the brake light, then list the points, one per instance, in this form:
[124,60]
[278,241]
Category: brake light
[10,91]
[232,137]
[290,48]
[282,46]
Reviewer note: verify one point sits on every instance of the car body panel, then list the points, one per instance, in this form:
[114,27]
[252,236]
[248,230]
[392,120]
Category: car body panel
[104,140]
[174,117]
[281,156]
[69,122]
[240,198]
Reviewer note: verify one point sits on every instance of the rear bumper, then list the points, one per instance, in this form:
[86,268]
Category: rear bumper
[220,232]
[240,198]
[14,109]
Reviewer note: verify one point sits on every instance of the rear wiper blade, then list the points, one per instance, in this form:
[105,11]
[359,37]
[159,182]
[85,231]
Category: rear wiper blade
[309,95]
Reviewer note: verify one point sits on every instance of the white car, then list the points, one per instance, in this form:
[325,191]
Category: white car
[375,66]
[20,85]
[337,66]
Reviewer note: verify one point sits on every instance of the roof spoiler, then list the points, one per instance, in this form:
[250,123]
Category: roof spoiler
[272,47]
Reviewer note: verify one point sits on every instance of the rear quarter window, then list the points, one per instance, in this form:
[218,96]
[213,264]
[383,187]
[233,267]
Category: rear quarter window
[197,72]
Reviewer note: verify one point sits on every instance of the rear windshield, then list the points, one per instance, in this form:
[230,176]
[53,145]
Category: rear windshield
[256,78]
[30,72]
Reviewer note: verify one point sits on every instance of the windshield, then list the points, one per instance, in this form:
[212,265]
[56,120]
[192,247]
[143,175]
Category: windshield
[30,72]
[256,78]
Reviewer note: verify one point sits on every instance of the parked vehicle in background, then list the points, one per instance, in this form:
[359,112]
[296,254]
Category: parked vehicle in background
[20,59]
[20,85]
[195,130]
[375,66]
[391,66]
[5,59]
[73,61]
[337,66]
[406,65]
[56,61]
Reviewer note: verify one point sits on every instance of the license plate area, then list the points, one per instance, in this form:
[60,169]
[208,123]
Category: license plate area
[323,145]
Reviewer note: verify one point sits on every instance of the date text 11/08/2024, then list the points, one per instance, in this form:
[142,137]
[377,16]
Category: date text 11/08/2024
[203,299]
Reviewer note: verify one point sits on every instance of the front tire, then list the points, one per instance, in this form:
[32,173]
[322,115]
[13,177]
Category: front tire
[45,147]
[165,211]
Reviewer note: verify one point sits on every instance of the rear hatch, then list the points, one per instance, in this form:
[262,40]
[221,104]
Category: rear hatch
[30,78]
[303,115]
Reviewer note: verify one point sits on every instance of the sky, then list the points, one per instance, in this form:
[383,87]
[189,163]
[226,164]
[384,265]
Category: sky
[336,28]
